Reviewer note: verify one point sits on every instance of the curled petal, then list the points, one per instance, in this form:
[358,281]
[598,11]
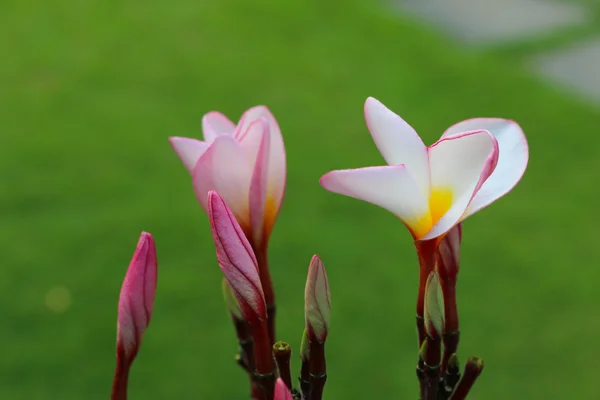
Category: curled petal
[188,150]
[398,142]
[281,391]
[317,302]
[137,297]
[236,258]
[276,174]
[460,164]
[256,143]
[391,187]
[434,306]
[225,168]
[513,156]
[214,124]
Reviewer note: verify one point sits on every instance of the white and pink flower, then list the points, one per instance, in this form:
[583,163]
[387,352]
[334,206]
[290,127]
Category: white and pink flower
[244,163]
[432,189]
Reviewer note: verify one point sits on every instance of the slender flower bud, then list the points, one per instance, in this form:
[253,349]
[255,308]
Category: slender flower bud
[281,391]
[236,259]
[317,302]
[230,301]
[136,302]
[434,306]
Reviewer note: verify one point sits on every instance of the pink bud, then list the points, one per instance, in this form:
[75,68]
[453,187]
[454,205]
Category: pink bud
[135,310]
[137,296]
[236,258]
[281,391]
[317,303]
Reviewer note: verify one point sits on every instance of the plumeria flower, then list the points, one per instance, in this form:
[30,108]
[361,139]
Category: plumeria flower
[432,189]
[136,303]
[244,163]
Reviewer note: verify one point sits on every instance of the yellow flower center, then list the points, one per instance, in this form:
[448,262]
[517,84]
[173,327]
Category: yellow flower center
[440,202]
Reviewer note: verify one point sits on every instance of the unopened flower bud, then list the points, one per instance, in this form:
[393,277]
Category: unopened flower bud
[317,303]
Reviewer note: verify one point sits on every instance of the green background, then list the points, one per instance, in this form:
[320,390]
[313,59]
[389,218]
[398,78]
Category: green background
[90,92]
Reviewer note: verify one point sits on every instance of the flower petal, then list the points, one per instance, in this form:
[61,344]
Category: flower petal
[236,257]
[397,141]
[391,187]
[136,300]
[256,142]
[512,158]
[281,391]
[459,166]
[224,167]
[214,124]
[188,150]
[277,158]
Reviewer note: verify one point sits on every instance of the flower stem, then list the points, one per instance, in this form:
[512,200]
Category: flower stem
[426,250]
[246,356]
[267,286]
[429,365]
[119,388]
[473,369]
[304,378]
[263,358]
[317,370]
[283,352]
[451,378]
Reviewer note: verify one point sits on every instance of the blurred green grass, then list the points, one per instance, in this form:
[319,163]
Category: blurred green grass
[90,91]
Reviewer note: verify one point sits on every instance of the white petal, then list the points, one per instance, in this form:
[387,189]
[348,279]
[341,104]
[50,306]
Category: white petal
[397,141]
[276,174]
[460,164]
[225,168]
[214,124]
[188,150]
[513,155]
[256,144]
[391,187]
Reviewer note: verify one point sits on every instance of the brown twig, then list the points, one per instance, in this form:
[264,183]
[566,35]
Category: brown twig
[283,352]
[473,369]
[317,370]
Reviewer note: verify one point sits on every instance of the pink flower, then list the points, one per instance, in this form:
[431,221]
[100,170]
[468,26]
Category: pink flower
[137,297]
[281,391]
[317,301]
[236,259]
[244,163]
[136,302]
[432,189]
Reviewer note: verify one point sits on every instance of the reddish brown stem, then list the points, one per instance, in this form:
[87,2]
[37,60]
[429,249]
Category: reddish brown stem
[283,352]
[246,357]
[119,388]
[426,251]
[304,378]
[431,353]
[473,369]
[451,336]
[267,286]
[317,370]
[263,359]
